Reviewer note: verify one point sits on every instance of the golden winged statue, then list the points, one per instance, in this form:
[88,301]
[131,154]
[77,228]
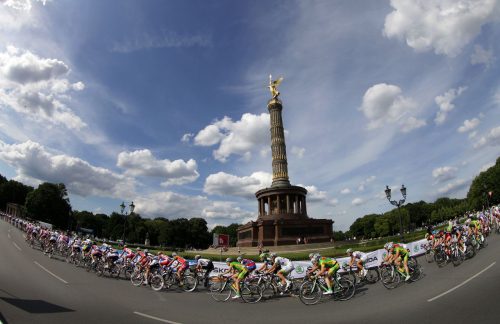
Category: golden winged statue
[273,86]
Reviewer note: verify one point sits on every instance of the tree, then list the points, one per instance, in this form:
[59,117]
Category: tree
[487,181]
[50,203]
[12,192]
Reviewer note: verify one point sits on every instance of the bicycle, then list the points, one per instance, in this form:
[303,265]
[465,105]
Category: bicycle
[270,284]
[311,291]
[391,277]
[371,277]
[222,288]
[166,277]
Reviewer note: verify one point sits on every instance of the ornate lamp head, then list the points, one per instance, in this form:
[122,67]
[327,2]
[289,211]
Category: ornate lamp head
[388,192]
[403,191]
[122,206]
[132,207]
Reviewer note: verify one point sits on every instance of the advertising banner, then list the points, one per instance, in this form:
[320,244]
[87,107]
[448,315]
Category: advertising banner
[373,259]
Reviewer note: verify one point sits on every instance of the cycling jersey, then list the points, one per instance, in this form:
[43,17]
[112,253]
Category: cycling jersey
[249,264]
[238,266]
[327,262]
[283,262]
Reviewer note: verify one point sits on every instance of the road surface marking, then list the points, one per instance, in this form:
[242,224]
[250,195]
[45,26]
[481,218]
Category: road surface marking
[8,234]
[463,283]
[55,276]
[17,246]
[156,318]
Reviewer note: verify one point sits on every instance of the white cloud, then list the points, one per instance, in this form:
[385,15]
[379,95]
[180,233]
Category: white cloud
[472,134]
[453,186]
[37,87]
[482,56]
[345,191]
[333,202]
[445,26]
[173,205]
[486,167]
[186,138]
[225,184]
[492,138]
[298,151]
[357,201]
[143,163]
[363,183]
[445,103]
[383,103]
[468,125]
[443,174]
[33,161]
[167,39]
[412,123]
[314,194]
[241,137]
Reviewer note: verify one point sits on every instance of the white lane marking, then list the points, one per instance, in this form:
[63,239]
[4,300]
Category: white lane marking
[8,234]
[17,246]
[156,318]
[463,283]
[48,271]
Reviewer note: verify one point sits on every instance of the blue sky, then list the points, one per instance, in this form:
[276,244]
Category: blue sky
[164,102]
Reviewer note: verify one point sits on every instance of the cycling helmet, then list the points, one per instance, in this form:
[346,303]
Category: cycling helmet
[174,254]
[197,257]
[229,260]
[138,249]
[239,258]
[263,256]
[390,245]
[315,260]
[273,255]
[146,251]
[311,255]
[349,251]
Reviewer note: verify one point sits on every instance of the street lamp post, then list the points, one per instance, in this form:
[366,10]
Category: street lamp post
[397,204]
[125,213]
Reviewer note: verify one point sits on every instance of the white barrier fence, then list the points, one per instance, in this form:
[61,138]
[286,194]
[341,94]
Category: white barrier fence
[374,259]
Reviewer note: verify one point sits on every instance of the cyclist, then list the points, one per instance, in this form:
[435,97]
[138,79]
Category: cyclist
[204,264]
[327,267]
[239,272]
[266,262]
[249,264]
[182,265]
[400,254]
[286,266]
[359,258]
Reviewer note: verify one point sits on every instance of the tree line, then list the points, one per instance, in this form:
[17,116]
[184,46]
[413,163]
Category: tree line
[415,215]
[50,203]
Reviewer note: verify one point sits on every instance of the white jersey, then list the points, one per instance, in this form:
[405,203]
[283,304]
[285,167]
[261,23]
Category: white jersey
[283,262]
[203,262]
[359,255]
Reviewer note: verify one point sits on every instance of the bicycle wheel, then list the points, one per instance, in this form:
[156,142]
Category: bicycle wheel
[429,256]
[268,290]
[220,290]
[372,276]
[416,273]
[440,258]
[189,283]
[345,289]
[310,293]
[157,282]
[115,271]
[390,278]
[99,269]
[251,293]
[136,278]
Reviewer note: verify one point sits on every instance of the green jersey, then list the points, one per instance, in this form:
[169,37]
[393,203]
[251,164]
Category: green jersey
[238,266]
[327,262]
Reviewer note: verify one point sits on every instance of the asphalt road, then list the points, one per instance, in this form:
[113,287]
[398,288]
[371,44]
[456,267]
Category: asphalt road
[36,289]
